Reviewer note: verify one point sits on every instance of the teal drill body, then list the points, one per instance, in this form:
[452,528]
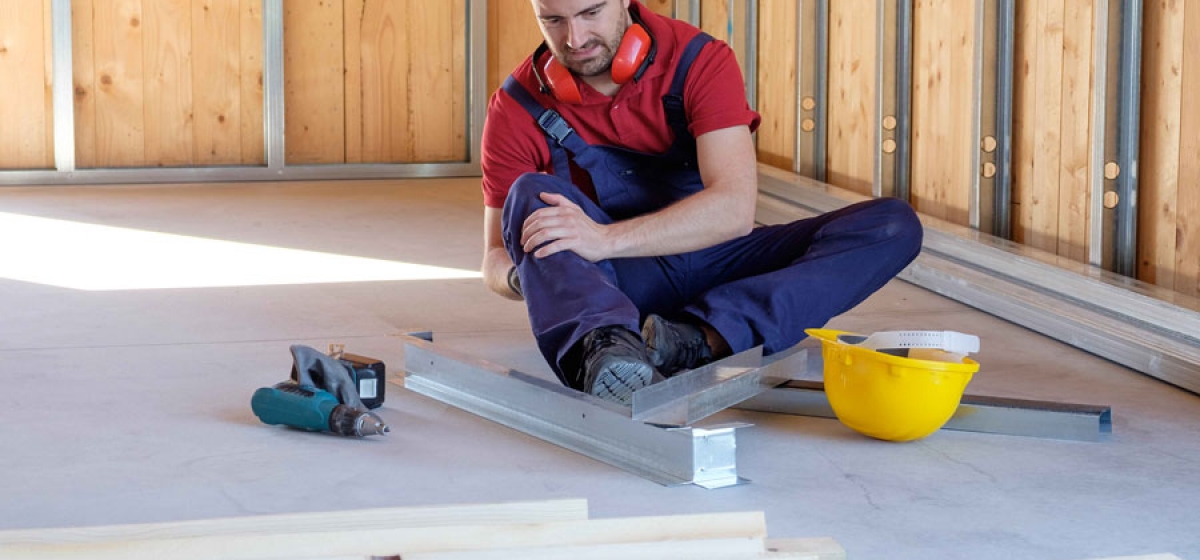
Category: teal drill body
[309,408]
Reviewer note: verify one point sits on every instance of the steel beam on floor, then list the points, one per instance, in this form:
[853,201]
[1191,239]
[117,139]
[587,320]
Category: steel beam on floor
[991,415]
[577,421]
[1132,323]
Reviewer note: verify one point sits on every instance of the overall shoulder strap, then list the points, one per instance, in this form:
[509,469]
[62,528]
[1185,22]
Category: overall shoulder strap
[673,100]
[561,138]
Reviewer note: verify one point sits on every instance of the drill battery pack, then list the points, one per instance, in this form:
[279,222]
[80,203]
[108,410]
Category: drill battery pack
[369,377]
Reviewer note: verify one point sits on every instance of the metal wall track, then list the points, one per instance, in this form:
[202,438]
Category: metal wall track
[1132,323]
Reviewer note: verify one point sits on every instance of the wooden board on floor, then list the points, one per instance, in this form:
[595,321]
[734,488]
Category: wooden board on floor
[311,541]
[365,519]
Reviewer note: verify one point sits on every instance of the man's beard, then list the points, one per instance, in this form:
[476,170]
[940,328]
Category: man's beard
[599,64]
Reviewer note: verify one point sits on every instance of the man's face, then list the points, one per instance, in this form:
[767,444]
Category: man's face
[583,34]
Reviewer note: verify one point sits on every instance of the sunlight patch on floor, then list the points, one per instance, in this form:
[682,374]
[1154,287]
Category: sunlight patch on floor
[85,256]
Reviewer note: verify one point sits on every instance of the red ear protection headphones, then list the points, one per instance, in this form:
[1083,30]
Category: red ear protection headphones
[635,54]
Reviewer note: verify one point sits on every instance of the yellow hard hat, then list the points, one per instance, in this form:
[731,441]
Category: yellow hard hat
[890,397]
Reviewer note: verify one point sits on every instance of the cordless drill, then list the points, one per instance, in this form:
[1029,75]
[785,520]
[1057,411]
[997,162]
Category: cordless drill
[309,408]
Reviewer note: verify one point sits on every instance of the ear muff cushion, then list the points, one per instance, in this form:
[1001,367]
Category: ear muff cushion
[560,81]
[635,45]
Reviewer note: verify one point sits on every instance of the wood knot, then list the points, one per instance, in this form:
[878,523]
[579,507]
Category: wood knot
[80,91]
[221,118]
[106,79]
[134,22]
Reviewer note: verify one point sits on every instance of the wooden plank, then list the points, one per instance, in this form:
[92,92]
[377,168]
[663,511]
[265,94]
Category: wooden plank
[120,121]
[1187,227]
[708,549]
[1024,120]
[355,11]
[168,82]
[1048,96]
[366,519]
[714,19]
[943,68]
[217,64]
[1158,178]
[1074,188]
[432,135]
[48,67]
[22,63]
[349,540]
[661,7]
[84,75]
[777,83]
[251,81]
[850,163]
[458,83]
[314,81]
[513,34]
[386,82]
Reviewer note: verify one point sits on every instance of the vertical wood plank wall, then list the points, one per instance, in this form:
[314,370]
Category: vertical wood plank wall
[374,81]
[942,99]
[850,160]
[776,84]
[1169,181]
[1052,115]
[26,115]
[167,82]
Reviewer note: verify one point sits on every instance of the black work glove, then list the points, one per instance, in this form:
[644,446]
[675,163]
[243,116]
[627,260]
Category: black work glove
[311,367]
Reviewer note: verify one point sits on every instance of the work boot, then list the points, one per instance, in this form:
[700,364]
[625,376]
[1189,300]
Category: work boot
[615,364]
[673,347]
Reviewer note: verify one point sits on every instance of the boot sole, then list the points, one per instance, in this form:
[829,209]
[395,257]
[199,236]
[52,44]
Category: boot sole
[618,381]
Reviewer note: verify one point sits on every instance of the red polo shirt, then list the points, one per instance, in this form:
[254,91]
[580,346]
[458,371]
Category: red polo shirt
[714,98]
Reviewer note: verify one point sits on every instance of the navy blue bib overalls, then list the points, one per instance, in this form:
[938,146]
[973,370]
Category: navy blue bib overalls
[764,288]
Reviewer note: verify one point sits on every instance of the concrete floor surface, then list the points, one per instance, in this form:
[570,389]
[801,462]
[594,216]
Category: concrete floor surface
[132,405]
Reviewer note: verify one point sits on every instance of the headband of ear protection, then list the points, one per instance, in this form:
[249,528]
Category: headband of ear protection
[635,54]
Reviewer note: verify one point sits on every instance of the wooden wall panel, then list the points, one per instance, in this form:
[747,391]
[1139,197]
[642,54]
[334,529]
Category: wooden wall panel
[167,82]
[1187,227]
[714,18]
[663,7]
[1052,123]
[23,89]
[405,101]
[1162,83]
[251,83]
[314,86]
[168,89]
[48,72]
[1168,232]
[120,83]
[944,43]
[777,83]
[850,161]
[1074,188]
[84,75]
[513,34]
[218,111]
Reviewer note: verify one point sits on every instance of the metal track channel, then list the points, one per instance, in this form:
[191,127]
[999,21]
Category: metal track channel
[991,415]
[1129,322]
[702,456]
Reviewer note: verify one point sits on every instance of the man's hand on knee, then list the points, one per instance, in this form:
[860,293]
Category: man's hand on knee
[564,226]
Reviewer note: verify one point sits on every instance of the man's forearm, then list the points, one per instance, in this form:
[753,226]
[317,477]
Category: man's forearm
[702,220]
[496,267]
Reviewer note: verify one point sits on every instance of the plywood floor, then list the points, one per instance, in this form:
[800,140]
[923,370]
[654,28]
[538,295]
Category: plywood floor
[131,404]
